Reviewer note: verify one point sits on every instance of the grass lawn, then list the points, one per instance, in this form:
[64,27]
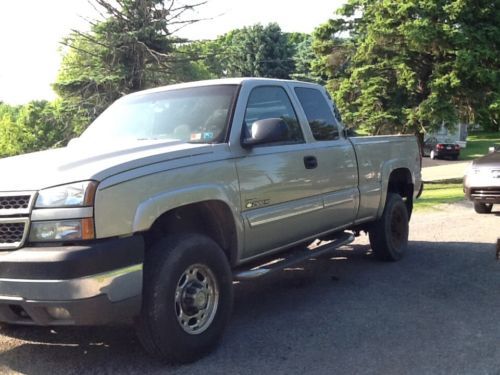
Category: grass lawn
[435,194]
[478,144]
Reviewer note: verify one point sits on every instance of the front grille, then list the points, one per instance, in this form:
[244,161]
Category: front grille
[493,192]
[15,208]
[14,202]
[11,233]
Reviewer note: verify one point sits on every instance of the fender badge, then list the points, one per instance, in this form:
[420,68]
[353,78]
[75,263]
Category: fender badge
[254,203]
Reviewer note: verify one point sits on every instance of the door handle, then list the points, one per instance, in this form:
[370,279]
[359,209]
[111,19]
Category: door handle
[310,162]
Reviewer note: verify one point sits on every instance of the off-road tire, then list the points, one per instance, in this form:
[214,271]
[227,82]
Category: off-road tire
[158,326]
[389,234]
[483,208]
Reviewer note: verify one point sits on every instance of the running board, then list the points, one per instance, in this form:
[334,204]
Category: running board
[293,258]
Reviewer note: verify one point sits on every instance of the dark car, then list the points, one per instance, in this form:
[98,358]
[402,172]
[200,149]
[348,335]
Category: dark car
[435,149]
[482,182]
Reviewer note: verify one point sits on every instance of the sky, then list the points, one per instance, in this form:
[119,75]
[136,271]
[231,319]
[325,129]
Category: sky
[30,34]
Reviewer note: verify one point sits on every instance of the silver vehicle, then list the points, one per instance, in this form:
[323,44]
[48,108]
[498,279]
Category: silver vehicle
[173,193]
[482,182]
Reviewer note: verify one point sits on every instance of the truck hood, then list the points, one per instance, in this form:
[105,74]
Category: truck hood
[488,161]
[81,162]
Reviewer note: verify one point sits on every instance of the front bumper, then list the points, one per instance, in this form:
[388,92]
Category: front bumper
[490,194]
[482,186]
[93,284]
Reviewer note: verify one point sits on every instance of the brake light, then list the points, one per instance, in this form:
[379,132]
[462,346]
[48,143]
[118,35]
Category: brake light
[440,146]
[457,147]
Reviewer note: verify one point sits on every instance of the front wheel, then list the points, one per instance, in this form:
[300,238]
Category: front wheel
[389,234]
[187,298]
[483,208]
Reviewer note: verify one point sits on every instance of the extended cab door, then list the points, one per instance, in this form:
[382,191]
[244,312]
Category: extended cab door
[280,183]
[336,156]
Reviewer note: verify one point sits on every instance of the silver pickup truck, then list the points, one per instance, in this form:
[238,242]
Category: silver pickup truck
[173,193]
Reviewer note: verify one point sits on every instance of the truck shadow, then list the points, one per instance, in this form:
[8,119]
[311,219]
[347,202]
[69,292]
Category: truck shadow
[334,304]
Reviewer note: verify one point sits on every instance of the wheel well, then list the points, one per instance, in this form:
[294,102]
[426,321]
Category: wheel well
[210,218]
[400,182]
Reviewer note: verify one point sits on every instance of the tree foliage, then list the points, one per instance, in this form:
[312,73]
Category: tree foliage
[393,67]
[253,51]
[303,58]
[412,66]
[258,51]
[37,125]
[131,49]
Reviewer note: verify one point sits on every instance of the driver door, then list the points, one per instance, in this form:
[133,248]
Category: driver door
[280,195]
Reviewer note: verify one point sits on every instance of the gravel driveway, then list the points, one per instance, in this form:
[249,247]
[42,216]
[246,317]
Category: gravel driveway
[435,312]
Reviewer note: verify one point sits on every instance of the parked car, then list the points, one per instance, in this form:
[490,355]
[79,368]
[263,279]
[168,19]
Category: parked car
[435,149]
[495,147]
[482,182]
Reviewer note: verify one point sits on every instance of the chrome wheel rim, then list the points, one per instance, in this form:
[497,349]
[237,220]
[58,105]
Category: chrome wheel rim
[196,299]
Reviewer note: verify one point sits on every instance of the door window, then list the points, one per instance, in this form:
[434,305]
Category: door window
[272,102]
[318,113]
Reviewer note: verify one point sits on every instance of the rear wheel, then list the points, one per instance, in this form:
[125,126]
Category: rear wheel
[389,234]
[187,298]
[483,208]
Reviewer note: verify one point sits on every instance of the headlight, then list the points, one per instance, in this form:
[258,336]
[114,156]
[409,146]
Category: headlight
[78,194]
[63,230]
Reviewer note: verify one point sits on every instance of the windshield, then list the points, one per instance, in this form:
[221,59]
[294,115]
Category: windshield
[199,114]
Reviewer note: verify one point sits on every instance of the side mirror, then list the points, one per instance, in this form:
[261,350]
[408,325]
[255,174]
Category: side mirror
[266,131]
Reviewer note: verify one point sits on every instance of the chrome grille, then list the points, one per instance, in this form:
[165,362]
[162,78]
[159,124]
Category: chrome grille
[15,209]
[489,192]
[15,202]
[11,233]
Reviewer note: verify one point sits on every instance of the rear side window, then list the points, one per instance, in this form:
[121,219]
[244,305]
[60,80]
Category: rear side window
[318,113]
[272,102]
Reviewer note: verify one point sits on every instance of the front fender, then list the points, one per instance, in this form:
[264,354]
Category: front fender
[148,211]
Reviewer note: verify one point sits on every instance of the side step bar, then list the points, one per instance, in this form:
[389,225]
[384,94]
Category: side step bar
[293,258]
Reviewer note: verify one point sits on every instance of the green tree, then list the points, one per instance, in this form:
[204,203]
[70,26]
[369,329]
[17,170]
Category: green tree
[257,51]
[254,51]
[131,49]
[203,59]
[303,58]
[411,66]
[10,134]
[37,125]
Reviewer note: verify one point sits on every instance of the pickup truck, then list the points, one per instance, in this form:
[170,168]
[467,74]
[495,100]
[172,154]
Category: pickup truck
[175,192]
